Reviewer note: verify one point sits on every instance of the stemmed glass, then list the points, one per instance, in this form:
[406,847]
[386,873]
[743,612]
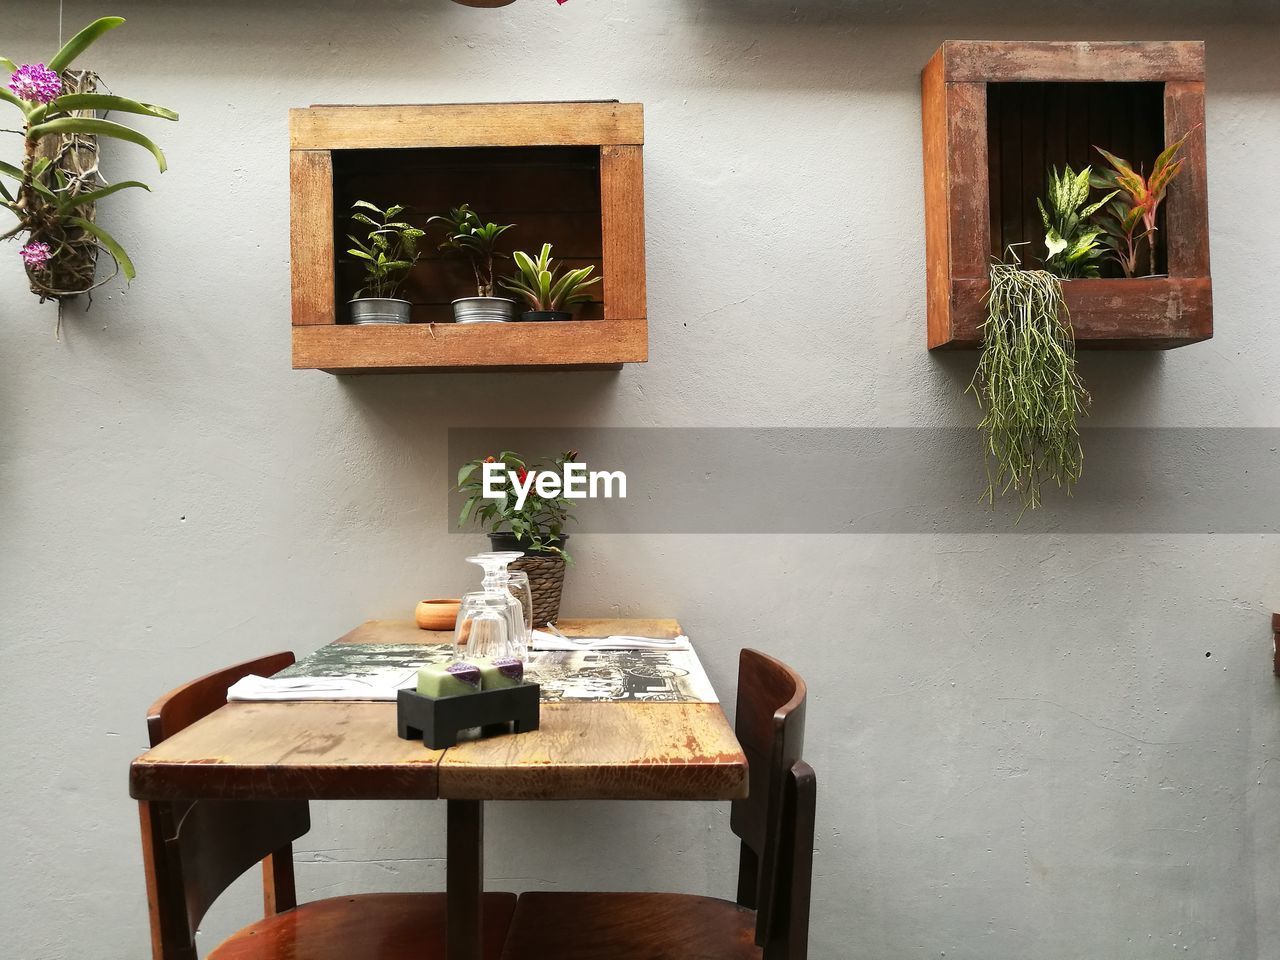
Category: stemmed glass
[475,633]
[484,629]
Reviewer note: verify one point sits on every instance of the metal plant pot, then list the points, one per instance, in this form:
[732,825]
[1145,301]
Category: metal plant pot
[380,310]
[483,310]
[532,316]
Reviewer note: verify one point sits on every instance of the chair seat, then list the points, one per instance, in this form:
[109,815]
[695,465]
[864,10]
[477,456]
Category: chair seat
[630,926]
[379,926]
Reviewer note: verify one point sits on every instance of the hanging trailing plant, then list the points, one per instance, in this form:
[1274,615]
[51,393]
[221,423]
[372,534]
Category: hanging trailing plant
[54,191]
[1028,387]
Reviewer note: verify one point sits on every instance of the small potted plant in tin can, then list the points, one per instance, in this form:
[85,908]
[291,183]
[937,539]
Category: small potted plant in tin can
[546,290]
[387,254]
[471,237]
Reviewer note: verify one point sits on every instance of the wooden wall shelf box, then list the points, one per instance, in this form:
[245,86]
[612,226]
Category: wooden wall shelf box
[998,113]
[568,173]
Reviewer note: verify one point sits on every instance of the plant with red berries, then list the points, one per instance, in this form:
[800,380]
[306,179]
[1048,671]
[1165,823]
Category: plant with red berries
[539,523]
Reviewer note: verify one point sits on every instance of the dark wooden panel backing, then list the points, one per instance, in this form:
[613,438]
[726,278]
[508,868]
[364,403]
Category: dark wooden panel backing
[770,727]
[183,706]
[551,195]
[1034,126]
[1152,313]
[311,250]
[380,926]
[1186,207]
[622,210]
[1029,60]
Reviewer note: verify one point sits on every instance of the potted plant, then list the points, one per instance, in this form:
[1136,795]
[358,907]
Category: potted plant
[1131,218]
[54,192]
[544,288]
[1027,385]
[476,240]
[387,254]
[535,529]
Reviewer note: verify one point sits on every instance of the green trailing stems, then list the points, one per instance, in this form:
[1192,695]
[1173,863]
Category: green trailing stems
[1028,387]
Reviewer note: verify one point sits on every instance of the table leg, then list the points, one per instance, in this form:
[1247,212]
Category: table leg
[464,881]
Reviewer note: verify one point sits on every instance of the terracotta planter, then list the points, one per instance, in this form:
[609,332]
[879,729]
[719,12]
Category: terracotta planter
[545,570]
[436,614]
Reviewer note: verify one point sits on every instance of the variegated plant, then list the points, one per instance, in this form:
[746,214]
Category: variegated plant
[541,284]
[1074,249]
[1130,220]
[54,208]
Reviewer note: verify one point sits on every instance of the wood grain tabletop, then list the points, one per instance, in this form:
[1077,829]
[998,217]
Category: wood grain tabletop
[325,750]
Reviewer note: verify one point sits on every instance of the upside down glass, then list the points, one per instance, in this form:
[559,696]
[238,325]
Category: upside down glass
[485,628]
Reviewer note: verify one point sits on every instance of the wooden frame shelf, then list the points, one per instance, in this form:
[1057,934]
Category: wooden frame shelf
[996,114]
[571,173]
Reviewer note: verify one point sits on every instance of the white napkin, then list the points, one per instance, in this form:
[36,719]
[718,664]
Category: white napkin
[549,641]
[319,688]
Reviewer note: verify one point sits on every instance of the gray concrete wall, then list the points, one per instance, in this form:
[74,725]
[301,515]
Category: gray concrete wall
[1024,749]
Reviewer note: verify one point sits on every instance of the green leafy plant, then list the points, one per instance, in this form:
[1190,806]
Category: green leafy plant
[388,252]
[53,206]
[1027,386]
[474,239]
[539,524]
[1130,221]
[541,284]
[1072,242]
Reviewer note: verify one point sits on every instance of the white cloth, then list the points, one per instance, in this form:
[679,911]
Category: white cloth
[320,688]
[549,641]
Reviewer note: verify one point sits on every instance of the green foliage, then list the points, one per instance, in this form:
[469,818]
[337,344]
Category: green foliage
[474,239]
[1072,242]
[1130,221]
[1028,387]
[389,250]
[541,285]
[47,203]
[539,525]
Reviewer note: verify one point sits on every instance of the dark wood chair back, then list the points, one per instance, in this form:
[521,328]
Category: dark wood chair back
[770,727]
[193,851]
[788,935]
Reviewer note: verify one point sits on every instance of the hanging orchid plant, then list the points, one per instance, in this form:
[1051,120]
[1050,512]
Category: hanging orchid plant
[53,192]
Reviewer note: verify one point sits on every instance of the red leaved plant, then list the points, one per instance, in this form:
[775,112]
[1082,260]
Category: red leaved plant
[1130,219]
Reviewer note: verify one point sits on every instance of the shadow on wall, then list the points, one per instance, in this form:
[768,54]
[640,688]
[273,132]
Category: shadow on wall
[408,407]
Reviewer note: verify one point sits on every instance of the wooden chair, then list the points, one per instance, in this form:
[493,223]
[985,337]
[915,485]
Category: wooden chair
[193,851]
[769,920]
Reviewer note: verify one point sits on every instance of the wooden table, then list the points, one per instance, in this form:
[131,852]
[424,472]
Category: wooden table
[350,751]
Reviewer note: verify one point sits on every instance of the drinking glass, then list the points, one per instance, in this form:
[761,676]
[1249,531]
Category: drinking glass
[486,627]
[518,587]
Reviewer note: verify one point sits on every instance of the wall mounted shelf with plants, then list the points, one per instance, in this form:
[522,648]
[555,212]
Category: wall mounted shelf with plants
[569,174]
[998,115]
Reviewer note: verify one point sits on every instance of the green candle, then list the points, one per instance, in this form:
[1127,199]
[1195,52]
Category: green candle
[503,672]
[452,681]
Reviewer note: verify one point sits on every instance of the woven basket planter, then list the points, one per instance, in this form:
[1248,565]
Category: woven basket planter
[546,577]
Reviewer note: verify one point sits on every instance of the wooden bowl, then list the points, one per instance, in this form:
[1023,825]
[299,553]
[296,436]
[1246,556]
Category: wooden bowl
[437,614]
